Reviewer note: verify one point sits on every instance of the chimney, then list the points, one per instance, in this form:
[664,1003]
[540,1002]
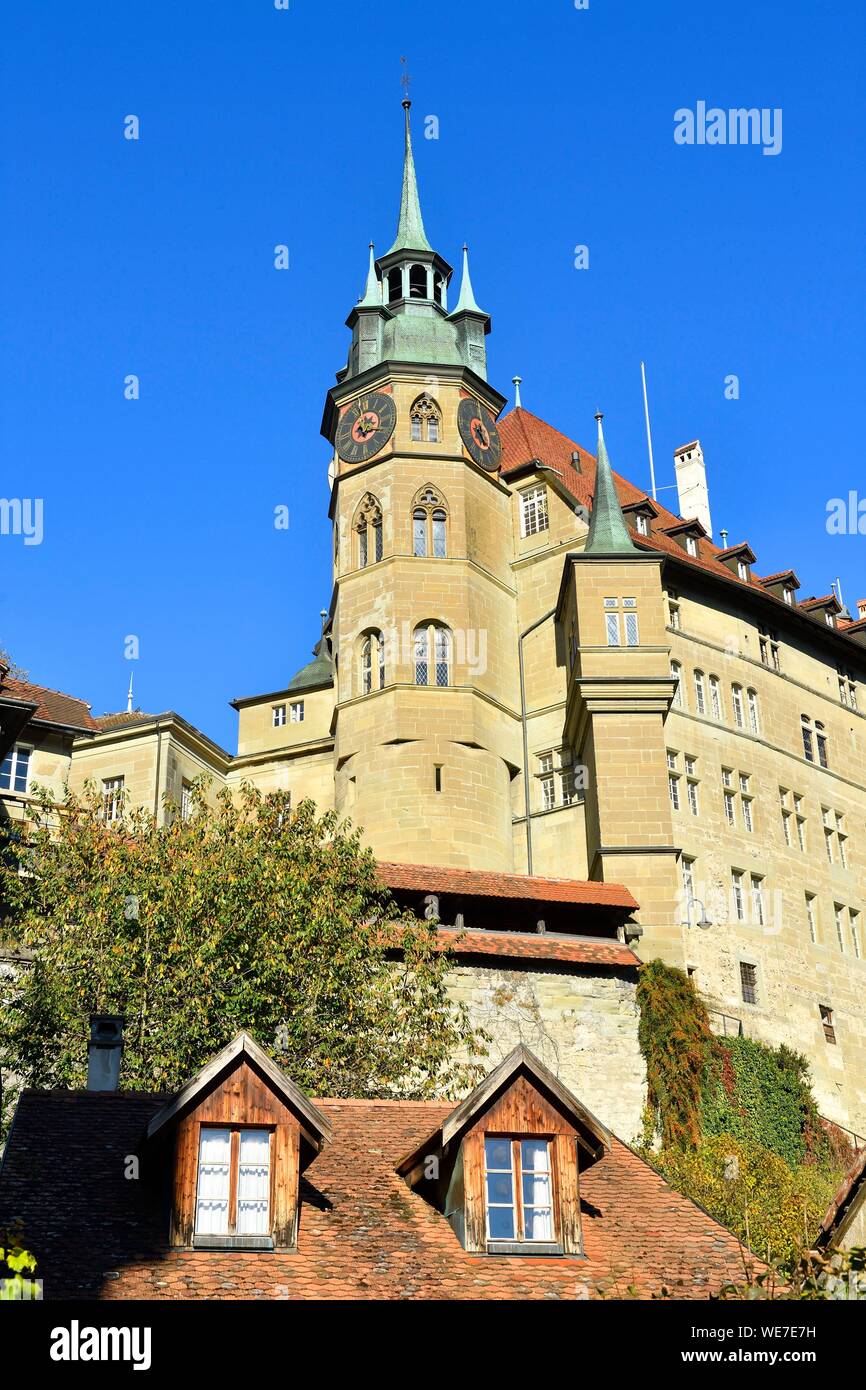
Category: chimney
[692,484]
[103,1053]
[861,608]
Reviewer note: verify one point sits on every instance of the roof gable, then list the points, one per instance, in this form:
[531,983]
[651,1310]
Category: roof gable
[242,1047]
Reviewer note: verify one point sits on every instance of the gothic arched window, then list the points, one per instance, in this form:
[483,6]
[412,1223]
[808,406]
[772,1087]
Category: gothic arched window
[368,525]
[432,654]
[426,418]
[418,282]
[372,662]
[429,525]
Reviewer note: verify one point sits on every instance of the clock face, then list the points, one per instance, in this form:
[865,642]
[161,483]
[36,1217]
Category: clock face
[365,426]
[479,433]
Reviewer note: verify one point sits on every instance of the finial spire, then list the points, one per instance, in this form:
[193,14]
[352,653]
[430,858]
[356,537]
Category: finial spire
[466,301]
[515,381]
[410,228]
[608,533]
[372,292]
[129,694]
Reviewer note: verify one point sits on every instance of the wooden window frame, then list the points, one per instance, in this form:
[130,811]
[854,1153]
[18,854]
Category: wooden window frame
[519,1238]
[231,1238]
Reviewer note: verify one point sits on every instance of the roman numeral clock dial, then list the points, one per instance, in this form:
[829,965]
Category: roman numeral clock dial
[365,427]
[479,433]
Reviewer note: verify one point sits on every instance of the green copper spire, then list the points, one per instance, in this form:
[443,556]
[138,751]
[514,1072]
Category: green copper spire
[410,229]
[608,533]
[466,302]
[372,293]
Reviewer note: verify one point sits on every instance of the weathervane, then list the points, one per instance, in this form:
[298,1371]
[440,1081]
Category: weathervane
[406,80]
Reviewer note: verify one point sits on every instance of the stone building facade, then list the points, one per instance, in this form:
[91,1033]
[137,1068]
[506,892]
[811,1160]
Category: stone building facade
[530,667]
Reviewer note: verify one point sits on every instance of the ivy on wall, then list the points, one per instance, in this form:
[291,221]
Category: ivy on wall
[733,1123]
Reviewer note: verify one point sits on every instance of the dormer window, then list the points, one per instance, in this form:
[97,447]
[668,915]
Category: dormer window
[238,1136]
[234,1191]
[691,545]
[508,1162]
[643,524]
[788,596]
[743,570]
[517,1178]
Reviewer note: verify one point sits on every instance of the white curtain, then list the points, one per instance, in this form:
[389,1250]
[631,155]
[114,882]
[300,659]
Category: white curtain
[253,1182]
[212,1206]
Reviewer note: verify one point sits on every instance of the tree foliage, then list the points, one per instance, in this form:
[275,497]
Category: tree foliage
[247,915]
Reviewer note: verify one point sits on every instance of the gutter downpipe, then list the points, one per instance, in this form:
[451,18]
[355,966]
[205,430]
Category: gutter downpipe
[526,806]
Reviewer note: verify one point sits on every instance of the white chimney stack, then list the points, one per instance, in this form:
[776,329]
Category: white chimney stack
[691,476]
[104,1050]
[861,608]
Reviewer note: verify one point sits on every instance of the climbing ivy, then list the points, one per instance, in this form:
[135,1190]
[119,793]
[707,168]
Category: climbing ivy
[763,1095]
[676,1043]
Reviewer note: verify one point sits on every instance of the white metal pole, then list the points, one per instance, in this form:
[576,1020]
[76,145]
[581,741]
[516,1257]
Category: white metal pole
[649,438]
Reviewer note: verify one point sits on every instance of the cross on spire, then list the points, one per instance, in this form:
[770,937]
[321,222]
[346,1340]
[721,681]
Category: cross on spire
[405,79]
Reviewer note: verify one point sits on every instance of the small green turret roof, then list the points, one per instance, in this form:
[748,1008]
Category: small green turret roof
[410,228]
[319,671]
[466,299]
[608,533]
[372,298]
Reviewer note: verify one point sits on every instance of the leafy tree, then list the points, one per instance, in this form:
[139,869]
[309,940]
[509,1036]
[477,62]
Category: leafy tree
[246,915]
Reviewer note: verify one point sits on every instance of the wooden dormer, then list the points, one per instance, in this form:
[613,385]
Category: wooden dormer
[237,1138]
[783,585]
[521,1134]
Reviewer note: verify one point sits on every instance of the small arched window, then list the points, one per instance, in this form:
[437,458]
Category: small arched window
[372,662]
[439,289]
[368,525]
[418,282]
[426,419]
[395,284]
[432,654]
[429,525]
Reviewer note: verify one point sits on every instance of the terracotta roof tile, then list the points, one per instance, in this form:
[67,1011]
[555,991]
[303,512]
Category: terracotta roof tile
[571,950]
[432,879]
[52,706]
[526,437]
[363,1234]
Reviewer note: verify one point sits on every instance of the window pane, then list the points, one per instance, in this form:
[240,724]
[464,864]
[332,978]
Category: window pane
[253,1182]
[212,1206]
[500,1223]
[377,531]
[438,535]
[534,1156]
[612,621]
[631,631]
[537,1223]
[499,1189]
[419,533]
[497,1153]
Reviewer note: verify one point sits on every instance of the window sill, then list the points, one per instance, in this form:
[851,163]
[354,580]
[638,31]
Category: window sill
[524,1247]
[232,1242]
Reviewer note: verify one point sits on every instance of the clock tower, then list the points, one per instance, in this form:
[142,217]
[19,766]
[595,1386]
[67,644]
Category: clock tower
[424,620]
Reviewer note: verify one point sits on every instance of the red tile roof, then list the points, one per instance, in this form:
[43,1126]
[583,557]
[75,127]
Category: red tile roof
[525,437]
[52,706]
[480,882]
[571,950]
[363,1234]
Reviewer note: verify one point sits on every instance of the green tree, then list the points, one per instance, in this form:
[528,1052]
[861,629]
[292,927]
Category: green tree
[246,915]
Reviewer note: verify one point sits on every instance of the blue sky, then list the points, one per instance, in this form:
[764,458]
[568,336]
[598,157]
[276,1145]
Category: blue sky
[261,126]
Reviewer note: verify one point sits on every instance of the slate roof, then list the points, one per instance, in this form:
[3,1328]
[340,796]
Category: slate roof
[363,1233]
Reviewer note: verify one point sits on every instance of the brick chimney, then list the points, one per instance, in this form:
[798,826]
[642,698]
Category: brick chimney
[104,1051]
[692,489]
